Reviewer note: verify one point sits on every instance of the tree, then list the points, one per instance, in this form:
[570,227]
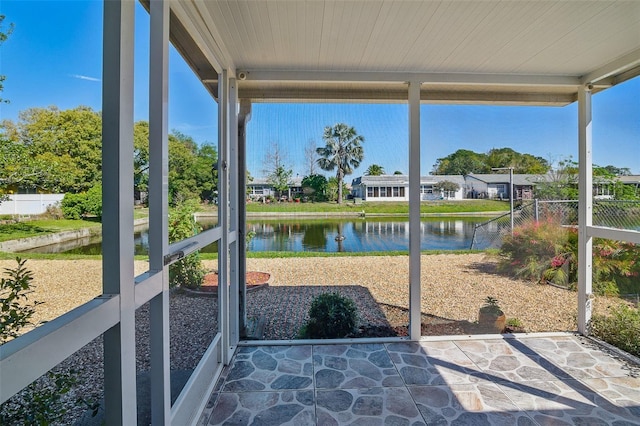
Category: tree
[446,187]
[141,156]
[277,174]
[206,174]
[311,158]
[561,182]
[19,168]
[609,176]
[343,151]
[461,162]
[374,170]
[521,163]
[182,176]
[397,172]
[4,34]
[332,188]
[315,186]
[464,162]
[280,179]
[617,171]
[68,143]
[191,171]
[249,179]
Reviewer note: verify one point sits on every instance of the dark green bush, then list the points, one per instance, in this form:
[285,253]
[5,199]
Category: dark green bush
[93,201]
[76,206]
[331,316]
[621,329]
[72,206]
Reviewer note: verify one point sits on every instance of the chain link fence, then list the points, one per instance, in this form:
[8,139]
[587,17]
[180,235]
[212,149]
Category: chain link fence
[621,214]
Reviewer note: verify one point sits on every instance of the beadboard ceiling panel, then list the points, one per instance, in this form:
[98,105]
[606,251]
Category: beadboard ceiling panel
[322,38]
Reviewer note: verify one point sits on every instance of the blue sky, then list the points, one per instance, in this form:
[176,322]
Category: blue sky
[54,57]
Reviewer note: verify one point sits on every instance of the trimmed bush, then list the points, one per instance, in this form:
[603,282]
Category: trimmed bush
[331,316]
[72,206]
[76,206]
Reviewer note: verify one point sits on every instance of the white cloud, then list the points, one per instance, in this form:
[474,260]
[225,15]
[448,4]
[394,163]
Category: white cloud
[84,77]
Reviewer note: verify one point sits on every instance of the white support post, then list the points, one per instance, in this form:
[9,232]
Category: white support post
[585,209]
[223,213]
[235,198]
[117,202]
[244,116]
[158,209]
[414,212]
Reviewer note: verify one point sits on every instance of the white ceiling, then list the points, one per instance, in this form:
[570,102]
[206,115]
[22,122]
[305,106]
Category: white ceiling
[544,48]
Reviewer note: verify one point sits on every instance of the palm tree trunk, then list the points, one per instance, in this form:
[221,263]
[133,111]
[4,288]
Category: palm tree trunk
[339,186]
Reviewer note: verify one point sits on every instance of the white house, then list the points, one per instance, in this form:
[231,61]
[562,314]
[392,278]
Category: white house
[396,187]
[260,188]
[496,185]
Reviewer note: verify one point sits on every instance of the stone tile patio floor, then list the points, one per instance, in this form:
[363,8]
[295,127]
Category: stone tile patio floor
[558,380]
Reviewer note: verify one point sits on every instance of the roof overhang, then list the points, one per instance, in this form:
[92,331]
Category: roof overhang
[492,52]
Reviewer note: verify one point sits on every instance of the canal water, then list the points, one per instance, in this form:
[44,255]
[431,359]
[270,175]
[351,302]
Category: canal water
[321,235]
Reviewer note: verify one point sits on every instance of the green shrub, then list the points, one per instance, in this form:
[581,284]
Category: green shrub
[93,201]
[72,206]
[331,316]
[76,206]
[187,272]
[15,309]
[40,403]
[621,329]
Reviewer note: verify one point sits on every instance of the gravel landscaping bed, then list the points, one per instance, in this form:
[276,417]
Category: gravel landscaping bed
[453,289]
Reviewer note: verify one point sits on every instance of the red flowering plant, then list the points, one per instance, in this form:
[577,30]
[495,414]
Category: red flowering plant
[540,251]
[548,253]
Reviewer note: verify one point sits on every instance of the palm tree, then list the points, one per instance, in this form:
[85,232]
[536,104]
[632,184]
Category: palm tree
[375,170]
[343,151]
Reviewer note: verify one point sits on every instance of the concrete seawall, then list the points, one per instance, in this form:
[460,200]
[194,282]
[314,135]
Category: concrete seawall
[59,237]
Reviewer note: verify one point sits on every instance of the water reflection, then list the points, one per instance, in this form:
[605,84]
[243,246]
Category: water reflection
[360,235]
[322,235]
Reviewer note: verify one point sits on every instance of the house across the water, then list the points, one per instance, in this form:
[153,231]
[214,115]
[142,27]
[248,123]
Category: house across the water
[496,185]
[396,187]
[260,189]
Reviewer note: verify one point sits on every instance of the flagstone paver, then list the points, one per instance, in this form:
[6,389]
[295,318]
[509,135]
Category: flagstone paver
[563,380]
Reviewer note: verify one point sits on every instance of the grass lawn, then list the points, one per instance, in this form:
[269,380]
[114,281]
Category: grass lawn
[14,231]
[442,207]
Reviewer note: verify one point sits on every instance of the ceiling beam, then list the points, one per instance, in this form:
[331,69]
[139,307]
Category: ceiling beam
[612,69]
[397,93]
[432,78]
